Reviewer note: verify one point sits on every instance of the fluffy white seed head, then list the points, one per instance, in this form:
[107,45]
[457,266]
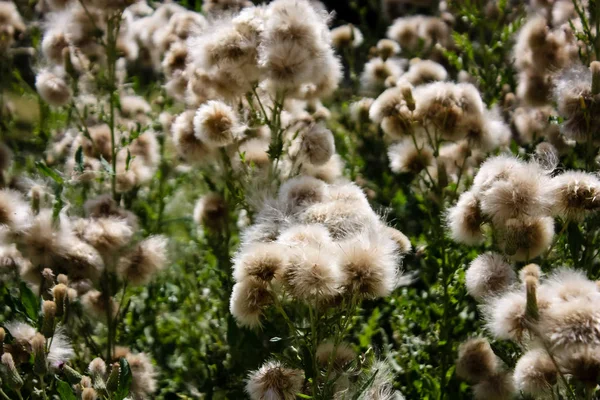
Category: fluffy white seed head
[53,89]
[274,381]
[487,275]
[476,360]
[465,220]
[535,374]
[216,124]
[248,299]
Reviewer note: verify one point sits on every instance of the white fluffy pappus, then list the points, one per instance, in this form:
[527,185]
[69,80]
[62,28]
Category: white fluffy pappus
[487,275]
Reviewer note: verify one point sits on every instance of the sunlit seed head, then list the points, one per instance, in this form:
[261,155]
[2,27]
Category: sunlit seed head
[405,157]
[346,36]
[216,124]
[248,299]
[317,145]
[376,71]
[387,48]
[263,261]
[526,193]
[15,213]
[535,374]
[343,219]
[505,316]
[312,274]
[52,88]
[329,172]
[300,192]
[369,266]
[314,235]
[576,322]
[147,259]
[525,239]
[274,381]
[487,275]
[576,193]
[465,220]
[191,148]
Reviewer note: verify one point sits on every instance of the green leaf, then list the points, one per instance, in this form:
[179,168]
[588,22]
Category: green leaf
[64,390]
[49,172]
[29,301]
[107,167]
[124,380]
[128,160]
[79,159]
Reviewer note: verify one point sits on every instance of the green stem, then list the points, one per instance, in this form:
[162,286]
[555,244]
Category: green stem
[314,343]
[43,387]
[4,395]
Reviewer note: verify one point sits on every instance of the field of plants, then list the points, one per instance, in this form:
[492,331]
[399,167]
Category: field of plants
[294,199]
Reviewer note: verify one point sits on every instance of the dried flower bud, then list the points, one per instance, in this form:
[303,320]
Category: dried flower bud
[595,68]
[48,276]
[85,382]
[530,270]
[62,278]
[531,310]
[89,394]
[38,345]
[10,373]
[59,292]
[112,382]
[97,370]
[49,313]
[72,376]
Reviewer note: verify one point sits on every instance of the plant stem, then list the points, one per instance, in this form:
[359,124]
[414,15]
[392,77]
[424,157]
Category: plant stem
[43,387]
[113,27]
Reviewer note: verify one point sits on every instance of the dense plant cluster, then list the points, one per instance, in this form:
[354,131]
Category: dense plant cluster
[279,199]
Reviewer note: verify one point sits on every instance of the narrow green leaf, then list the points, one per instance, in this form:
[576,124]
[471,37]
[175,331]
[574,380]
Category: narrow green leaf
[29,301]
[49,172]
[128,160]
[107,167]
[124,380]
[64,390]
[79,159]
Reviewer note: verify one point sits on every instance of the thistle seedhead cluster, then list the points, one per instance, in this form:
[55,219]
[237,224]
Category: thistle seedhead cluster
[551,318]
[519,201]
[40,246]
[419,119]
[320,244]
